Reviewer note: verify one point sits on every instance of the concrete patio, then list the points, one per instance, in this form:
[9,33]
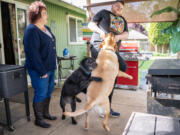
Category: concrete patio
[124,101]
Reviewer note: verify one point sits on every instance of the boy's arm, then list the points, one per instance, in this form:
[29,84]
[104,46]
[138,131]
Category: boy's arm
[94,27]
[122,36]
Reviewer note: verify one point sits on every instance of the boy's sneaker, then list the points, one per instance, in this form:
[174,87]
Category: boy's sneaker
[114,114]
[101,115]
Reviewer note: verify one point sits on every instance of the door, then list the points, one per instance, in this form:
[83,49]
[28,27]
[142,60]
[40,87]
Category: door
[1,40]
[21,19]
[7,32]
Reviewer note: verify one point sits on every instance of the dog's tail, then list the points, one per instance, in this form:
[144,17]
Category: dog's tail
[87,107]
[97,79]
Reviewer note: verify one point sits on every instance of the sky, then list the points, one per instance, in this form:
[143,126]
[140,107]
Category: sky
[78,3]
[81,3]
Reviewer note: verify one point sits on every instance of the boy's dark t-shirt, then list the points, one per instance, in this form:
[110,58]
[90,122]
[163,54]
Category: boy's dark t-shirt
[108,22]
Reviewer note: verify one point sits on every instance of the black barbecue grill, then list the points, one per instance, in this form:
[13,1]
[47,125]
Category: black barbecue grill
[13,80]
[164,76]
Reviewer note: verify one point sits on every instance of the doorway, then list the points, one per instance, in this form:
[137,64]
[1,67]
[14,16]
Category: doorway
[13,20]
[1,47]
[6,12]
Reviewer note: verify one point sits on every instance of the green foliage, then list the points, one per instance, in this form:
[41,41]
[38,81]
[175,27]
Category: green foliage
[144,66]
[165,10]
[155,33]
[175,42]
[174,29]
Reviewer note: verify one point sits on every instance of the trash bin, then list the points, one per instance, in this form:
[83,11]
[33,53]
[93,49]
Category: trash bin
[13,81]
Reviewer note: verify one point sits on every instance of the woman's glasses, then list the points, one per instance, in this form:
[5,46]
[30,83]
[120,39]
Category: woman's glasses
[44,13]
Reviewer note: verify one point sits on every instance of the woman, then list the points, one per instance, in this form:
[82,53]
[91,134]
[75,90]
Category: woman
[39,45]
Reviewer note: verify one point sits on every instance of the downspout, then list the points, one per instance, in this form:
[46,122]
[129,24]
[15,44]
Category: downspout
[89,16]
[178,54]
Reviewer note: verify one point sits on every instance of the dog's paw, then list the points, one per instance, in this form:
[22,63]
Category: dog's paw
[78,99]
[86,128]
[63,117]
[106,128]
[130,77]
[74,122]
[97,79]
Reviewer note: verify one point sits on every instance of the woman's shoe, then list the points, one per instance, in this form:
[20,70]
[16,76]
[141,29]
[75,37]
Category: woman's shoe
[38,112]
[46,114]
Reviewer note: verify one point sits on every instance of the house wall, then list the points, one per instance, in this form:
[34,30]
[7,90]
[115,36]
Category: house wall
[57,20]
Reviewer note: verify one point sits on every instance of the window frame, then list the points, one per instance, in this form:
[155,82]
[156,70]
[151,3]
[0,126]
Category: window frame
[77,19]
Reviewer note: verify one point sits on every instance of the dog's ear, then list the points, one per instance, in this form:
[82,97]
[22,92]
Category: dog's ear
[101,45]
[83,61]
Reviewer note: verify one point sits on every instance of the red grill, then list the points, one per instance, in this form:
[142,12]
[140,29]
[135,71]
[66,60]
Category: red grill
[129,52]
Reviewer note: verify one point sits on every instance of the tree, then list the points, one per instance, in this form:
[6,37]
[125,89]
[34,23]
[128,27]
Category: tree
[174,29]
[155,33]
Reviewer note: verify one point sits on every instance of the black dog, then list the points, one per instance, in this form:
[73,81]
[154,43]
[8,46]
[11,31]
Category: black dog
[76,83]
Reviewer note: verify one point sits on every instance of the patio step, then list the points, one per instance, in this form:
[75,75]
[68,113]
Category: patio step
[148,124]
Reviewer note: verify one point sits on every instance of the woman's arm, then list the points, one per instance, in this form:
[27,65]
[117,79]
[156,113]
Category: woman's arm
[32,47]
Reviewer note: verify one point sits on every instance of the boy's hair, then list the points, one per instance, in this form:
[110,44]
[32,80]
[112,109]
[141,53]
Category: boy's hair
[121,1]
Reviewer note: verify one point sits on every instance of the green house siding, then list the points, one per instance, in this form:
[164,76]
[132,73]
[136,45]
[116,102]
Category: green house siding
[57,20]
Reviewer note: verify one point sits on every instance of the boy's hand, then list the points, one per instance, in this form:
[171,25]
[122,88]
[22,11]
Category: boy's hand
[102,35]
[116,38]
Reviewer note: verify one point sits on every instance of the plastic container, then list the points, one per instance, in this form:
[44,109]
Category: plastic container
[65,53]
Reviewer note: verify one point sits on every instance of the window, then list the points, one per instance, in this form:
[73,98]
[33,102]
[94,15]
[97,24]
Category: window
[75,35]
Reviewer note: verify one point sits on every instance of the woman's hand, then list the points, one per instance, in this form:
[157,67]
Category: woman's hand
[44,76]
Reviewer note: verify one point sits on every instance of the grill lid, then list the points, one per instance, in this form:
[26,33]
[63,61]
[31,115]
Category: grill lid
[4,67]
[165,67]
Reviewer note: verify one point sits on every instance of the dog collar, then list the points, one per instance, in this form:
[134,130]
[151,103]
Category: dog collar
[109,49]
[85,71]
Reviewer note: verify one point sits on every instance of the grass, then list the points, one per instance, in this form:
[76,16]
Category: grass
[161,54]
[143,66]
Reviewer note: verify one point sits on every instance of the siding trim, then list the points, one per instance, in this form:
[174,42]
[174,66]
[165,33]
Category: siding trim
[68,6]
[77,18]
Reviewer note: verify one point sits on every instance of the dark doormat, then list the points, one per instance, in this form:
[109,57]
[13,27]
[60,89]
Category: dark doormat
[17,106]
[1,130]
[17,112]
